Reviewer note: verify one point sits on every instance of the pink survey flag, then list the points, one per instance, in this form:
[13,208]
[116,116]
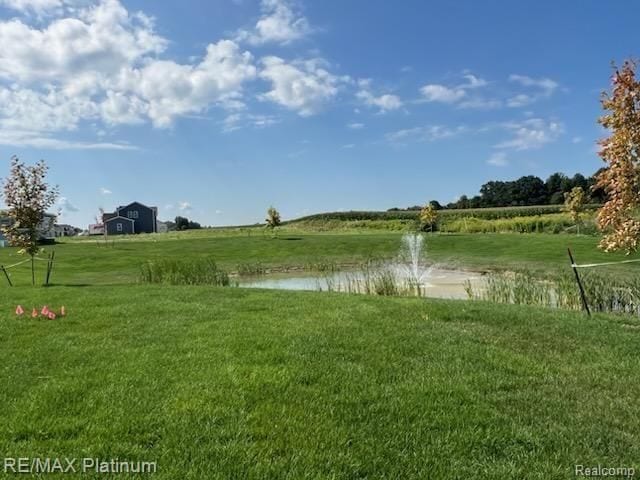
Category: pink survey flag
[45,311]
[19,310]
[34,313]
[51,315]
[62,311]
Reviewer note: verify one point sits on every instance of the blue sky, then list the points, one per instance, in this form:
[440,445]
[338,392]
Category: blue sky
[218,109]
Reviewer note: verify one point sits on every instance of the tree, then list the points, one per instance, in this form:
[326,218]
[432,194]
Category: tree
[621,150]
[574,204]
[182,223]
[27,196]
[273,219]
[435,204]
[428,216]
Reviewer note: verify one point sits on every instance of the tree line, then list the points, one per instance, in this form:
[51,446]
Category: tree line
[526,190]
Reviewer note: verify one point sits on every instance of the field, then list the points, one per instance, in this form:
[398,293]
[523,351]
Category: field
[222,382]
[92,261]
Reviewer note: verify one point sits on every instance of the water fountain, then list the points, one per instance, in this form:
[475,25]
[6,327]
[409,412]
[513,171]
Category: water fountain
[411,257]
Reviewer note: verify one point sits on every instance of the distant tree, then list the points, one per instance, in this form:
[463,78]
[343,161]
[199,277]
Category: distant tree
[273,219]
[621,150]
[171,226]
[428,217]
[193,225]
[463,202]
[182,223]
[579,180]
[27,196]
[574,205]
[596,192]
[435,204]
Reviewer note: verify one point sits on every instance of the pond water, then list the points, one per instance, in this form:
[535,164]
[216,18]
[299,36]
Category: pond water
[436,283]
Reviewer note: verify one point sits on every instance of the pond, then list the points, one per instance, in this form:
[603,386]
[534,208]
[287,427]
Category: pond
[436,283]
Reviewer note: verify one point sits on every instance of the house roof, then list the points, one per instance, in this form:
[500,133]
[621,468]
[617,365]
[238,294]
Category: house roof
[118,217]
[141,204]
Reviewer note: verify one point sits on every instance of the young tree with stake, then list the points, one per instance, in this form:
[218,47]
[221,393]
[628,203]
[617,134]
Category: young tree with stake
[273,219]
[27,197]
[574,203]
[428,216]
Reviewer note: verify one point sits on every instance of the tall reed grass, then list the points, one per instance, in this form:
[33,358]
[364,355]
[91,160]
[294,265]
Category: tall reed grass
[604,292]
[202,271]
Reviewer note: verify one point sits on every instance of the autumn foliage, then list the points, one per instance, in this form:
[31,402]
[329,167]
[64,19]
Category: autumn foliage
[621,179]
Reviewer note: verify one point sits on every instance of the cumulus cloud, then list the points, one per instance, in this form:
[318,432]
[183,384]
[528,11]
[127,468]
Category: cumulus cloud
[301,86]
[100,63]
[279,23]
[239,120]
[39,8]
[441,93]
[184,206]
[435,92]
[385,102]
[531,133]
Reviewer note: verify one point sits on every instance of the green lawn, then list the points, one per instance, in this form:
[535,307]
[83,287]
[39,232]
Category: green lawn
[90,262]
[229,383]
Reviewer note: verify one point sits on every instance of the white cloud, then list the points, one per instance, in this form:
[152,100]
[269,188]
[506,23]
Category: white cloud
[384,102]
[105,191]
[355,126]
[547,85]
[218,212]
[66,205]
[576,140]
[302,86]
[520,100]
[442,94]
[239,120]
[498,159]
[480,103]
[531,133]
[473,81]
[279,23]
[100,63]
[39,8]
[428,133]
[184,206]
[348,146]
[37,140]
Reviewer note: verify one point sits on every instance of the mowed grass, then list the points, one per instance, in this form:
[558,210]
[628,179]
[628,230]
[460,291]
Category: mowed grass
[217,383]
[91,262]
